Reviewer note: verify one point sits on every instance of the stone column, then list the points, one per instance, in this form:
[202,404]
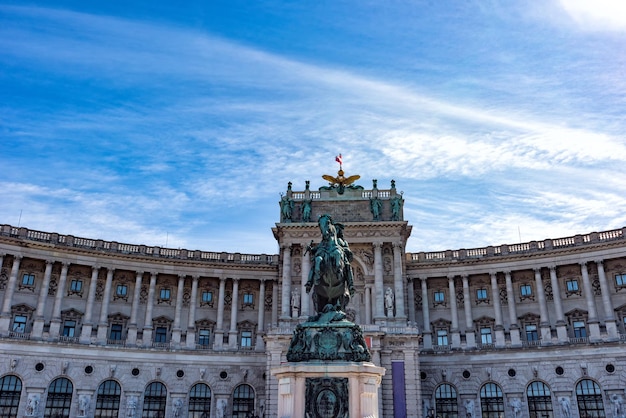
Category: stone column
[55,323]
[103,325]
[191,322]
[561,327]
[427,336]
[260,328]
[131,336]
[368,304]
[37,331]
[609,315]
[274,303]
[85,333]
[546,335]
[594,324]
[398,283]
[305,298]
[234,309]
[379,291]
[176,330]
[497,307]
[147,327]
[5,316]
[219,326]
[411,299]
[456,334]
[470,334]
[514,327]
[285,311]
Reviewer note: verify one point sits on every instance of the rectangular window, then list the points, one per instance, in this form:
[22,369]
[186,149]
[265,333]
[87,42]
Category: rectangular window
[248,299]
[442,337]
[579,329]
[19,323]
[69,328]
[531,333]
[246,338]
[28,279]
[572,285]
[116,332]
[620,280]
[207,296]
[525,290]
[160,336]
[165,294]
[76,286]
[204,337]
[485,336]
[481,294]
[439,296]
[121,290]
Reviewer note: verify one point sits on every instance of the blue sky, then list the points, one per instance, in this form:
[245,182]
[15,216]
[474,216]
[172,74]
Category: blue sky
[152,123]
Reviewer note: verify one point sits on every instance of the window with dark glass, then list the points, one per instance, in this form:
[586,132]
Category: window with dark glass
[160,335]
[69,328]
[10,391]
[580,331]
[539,400]
[446,404]
[116,332]
[491,401]
[589,399]
[243,401]
[28,279]
[154,400]
[199,401]
[485,335]
[204,337]
[108,399]
[59,399]
[531,332]
[19,323]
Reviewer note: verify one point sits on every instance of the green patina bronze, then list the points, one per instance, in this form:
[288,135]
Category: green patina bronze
[328,336]
[327,397]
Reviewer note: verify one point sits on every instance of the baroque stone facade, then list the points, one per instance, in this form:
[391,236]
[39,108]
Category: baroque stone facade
[95,328]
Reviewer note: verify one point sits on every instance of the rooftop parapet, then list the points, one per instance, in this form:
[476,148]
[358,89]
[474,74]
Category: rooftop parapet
[114,247]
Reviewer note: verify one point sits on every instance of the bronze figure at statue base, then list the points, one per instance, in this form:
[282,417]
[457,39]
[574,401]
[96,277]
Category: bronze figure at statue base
[329,374]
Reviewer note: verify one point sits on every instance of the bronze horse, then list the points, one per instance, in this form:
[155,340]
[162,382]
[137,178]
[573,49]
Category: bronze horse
[331,274]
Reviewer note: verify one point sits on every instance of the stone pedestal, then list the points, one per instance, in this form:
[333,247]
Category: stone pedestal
[332,389]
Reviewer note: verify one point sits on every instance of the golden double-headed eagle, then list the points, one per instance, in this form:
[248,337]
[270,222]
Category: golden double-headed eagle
[340,180]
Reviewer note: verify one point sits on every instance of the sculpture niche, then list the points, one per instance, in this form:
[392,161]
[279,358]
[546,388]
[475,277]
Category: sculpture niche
[328,335]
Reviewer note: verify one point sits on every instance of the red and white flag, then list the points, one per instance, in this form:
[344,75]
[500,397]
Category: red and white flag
[339,159]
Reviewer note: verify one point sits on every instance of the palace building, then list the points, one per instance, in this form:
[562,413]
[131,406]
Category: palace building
[92,328]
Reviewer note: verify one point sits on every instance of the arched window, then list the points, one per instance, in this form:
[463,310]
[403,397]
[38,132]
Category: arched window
[491,401]
[154,400]
[243,401]
[10,391]
[446,404]
[108,400]
[59,399]
[589,399]
[539,400]
[200,401]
